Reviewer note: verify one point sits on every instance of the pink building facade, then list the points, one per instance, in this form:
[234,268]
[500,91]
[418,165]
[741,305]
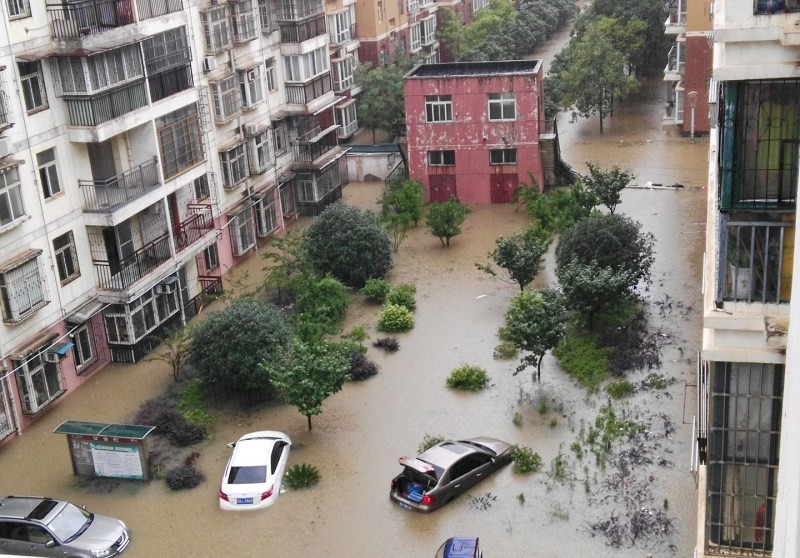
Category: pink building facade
[474,129]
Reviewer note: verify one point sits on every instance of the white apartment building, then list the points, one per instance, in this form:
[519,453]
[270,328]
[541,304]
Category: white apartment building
[146,146]
[749,489]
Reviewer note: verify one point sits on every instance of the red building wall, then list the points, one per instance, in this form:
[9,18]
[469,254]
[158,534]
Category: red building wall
[471,135]
[697,73]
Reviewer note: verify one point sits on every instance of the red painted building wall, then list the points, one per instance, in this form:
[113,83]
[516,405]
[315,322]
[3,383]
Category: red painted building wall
[697,75]
[470,134]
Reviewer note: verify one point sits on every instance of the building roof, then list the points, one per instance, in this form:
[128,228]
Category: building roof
[492,68]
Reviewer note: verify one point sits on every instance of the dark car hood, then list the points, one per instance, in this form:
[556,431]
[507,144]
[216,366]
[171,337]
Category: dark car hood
[102,533]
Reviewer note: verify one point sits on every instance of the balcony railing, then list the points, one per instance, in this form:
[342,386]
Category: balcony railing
[294,32]
[94,110]
[194,227]
[72,20]
[775,6]
[169,83]
[305,93]
[295,10]
[111,193]
[348,129]
[675,61]
[211,288]
[757,262]
[155,8]
[120,275]
[310,151]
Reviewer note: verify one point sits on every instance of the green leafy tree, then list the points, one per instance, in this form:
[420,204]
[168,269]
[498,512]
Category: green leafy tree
[350,244]
[445,219]
[488,22]
[606,184]
[381,103]
[308,374]
[227,346]
[451,32]
[406,197]
[590,289]
[520,255]
[536,322]
[321,306]
[288,262]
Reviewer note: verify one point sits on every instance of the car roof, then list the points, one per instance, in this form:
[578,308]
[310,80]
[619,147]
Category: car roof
[460,547]
[252,451]
[25,507]
[446,453]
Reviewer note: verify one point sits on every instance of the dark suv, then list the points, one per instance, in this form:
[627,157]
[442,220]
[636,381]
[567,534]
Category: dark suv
[33,526]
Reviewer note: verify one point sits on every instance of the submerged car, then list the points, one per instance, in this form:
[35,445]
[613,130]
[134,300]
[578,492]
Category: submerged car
[254,473]
[460,547]
[35,526]
[446,470]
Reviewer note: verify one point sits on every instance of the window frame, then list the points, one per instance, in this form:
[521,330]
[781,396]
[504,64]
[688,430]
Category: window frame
[501,102]
[201,188]
[504,155]
[25,372]
[233,163]
[11,199]
[415,37]
[216,30]
[243,21]
[211,257]
[66,255]
[48,173]
[243,231]
[251,87]
[438,108]
[269,75]
[260,156]
[23,281]
[441,158]
[180,139]
[226,97]
[266,215]
[33,80]
[80,335]
[18,9]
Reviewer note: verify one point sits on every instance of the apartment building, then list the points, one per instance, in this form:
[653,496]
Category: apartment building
[749,490]
[387,29]
[476,129]
[145,147]
[344,44]
[688,70]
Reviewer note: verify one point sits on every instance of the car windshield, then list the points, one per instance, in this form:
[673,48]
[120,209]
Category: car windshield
[248,475]
[70,522]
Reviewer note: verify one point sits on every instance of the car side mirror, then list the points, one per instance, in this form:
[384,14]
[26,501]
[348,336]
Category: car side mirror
[232,445]
[50,544]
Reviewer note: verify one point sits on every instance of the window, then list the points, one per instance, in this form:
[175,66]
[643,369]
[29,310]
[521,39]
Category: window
[416,37]
[243,232]
[144,314]
[280,138]
[166,51]
[438,108]
[339,26]
[82,351]
[260,155]
[380,11]
[18,9]
[23,289]
[6,426]
[478,5]
[200,188]
[306,192]
[428,31]
[234,166]
[269,19]
[347,118]
[413,6]
[503,157]
[774,6]
[180,141]
[215,29]
[441,158]
[745,423]
[32,82]
[288,200]
[344,73]
[307,66]
[6,116]
[66,257]
[39,382]
[11,207]
[48,173]
[502,106]
[251,88]
[269,74]
[211,258]
[243,17]
[92,74]
[266,216]
[227,101]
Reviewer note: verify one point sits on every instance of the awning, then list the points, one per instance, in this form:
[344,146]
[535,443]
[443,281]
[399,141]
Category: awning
[329,105]
[8,162]
[33,345]
[130,431]
[230,144]
[347,103]
[85,312]
[47,52]
[61,349]
[332,161]
[19,259]
[322,134]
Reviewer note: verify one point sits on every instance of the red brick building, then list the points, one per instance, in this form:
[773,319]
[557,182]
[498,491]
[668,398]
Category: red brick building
[475,129]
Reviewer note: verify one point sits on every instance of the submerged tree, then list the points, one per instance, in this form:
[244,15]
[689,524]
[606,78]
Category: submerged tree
[520,255]
[445,219]
[606,184]
[536,323]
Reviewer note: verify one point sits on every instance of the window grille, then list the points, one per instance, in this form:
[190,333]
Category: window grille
[23,290]
[266,215]
[227,100]
[11,206]
[215,29]
[243,234]
[180,141]
[39,382]
[32,82]
[416,37]
[260,155]
[243,17]
[6,424]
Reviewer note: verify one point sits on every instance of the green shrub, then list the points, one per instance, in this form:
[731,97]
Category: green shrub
[394,318]
[357,334]
[505,350]
[192,403]
[376,290]
[517,420]
[525,460]
[468,377]
[620,388]
[403,295]
[428,441]
[502,333]
[582,359]
[321,305]
[301,476]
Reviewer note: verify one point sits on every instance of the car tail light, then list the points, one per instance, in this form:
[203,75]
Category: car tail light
[427,500]
[391,486]
[266,494]
[223,496]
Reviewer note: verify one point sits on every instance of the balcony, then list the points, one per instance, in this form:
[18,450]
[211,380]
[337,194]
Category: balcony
[194,227]
[344,35]
[757,262]
[295,10]
[302,94]
[347,129]
[297,32]
[676,18]
[675,64]
[79,19]
[96,109]
[309,148]
[103,196]
[153,8]
[119,275]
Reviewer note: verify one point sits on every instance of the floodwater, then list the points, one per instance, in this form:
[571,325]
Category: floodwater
[364,429]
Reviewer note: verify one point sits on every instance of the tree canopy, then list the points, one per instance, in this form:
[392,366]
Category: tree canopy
[536,322]
[381,103]
[606,184]
[402,204]
[445,219]
[520,255]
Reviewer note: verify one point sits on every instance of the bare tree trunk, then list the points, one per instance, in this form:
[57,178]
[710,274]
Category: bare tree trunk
[309,422]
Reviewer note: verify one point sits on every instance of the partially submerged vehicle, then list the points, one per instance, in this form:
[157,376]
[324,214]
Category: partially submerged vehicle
[460,547]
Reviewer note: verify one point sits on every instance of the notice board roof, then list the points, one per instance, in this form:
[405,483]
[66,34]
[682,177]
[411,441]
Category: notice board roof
[132,431]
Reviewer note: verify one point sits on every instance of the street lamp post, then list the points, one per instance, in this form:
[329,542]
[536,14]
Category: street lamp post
[693,102]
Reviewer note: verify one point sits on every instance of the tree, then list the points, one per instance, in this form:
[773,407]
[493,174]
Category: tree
[321,306]
[288,262]
[175,350]
[308,374]
[607,184]
[536,322]
[595,75]
[350,244]
[381,103]
[451,32]
[227,346]
[520,255]
[404,196]
[589,288]
[445,219]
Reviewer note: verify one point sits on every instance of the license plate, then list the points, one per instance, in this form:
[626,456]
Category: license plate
[244,500]
[405,506]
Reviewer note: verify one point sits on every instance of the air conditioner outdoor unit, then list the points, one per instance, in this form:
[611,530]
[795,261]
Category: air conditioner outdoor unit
[250,130]
[209,63]
[5,147]
[52,357]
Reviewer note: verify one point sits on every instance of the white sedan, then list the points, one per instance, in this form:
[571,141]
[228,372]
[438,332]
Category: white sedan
[254,472]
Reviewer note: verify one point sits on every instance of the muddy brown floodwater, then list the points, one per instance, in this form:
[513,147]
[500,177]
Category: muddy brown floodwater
[364,429]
